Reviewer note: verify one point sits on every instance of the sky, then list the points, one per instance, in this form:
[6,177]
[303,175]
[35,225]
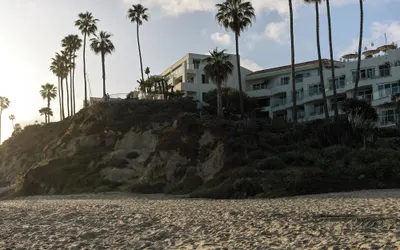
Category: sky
[31,33]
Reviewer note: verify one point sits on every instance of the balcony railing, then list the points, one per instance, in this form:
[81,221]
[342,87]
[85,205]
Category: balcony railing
[192,66]
[317,111]
[279,102]
[367,97]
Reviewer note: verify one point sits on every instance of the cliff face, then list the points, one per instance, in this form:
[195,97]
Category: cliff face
[142,146]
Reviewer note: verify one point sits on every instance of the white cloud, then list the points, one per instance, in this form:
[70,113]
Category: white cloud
[221,38]
[203,31]
[378,29]
[278,31]
[249,64]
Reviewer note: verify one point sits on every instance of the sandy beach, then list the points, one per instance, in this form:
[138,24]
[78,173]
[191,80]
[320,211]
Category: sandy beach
[358,220]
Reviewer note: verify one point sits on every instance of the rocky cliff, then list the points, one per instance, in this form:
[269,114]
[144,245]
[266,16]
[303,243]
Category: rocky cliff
[141,146]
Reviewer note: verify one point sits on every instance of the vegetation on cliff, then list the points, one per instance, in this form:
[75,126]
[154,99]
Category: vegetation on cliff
[164,146]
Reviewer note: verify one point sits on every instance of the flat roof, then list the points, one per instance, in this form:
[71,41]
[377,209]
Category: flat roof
[289,66]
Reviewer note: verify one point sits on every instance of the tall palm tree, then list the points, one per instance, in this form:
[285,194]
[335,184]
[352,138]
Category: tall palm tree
[321,73]
[48,92]
[236,16]
[292,49]
[137,14]
[102,45]
[72,43]
[359,48]
[336,108]
[57,69]
[218,67]
[87,24]
[12,118]
[66,65]
[4,104]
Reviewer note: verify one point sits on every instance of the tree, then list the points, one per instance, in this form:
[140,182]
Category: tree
[137,14]
[4,104]
[359,49]
[321,72]
[17,129]
[362,116]
[87,24]
[48,92]
[236,16]
[102,45]
[12,118]
[47,112]
[58,68]
[328,10]
[292,49]
[230,100]
[147,72]
[218,67]
[72,43]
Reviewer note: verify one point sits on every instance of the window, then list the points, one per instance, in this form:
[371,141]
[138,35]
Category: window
[370,73]
[340,82]
[307,74]
[387,89]
[318,109]
[259,86]
[264,102]
[204,79]
[314,89]
[284,80]
[196,64]
[384,70]
[299,78]
[364,74]
[387,117]
[299,94]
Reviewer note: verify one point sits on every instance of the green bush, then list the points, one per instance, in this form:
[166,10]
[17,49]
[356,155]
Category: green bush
[271,163]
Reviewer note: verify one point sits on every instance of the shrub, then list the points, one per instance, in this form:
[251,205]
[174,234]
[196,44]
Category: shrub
[132,155]
[147,188]
[247,186]
[271,163]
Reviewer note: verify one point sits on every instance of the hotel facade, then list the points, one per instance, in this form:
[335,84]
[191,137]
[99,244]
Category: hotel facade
[379,80]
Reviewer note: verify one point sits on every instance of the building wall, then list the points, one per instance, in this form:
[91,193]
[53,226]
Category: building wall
[188,75]
[376,85]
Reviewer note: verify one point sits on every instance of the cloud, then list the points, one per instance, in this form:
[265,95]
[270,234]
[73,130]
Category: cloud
[377,29]
[221,38]
[249,64]
[278,31]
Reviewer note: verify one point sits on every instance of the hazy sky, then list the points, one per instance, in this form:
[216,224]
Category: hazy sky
[31,31]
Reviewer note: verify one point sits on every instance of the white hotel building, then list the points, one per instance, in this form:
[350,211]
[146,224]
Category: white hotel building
[187,75]
[379,79]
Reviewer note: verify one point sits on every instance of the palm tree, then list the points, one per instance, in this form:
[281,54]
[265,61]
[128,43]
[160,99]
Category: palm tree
[49,92]
[87,24]
[218,67]
[359,48]
[147,72]
[294,96]
[57,68]
[12,118]
[47,112]
[336,108]
[66,65]
[102,45]
[236,16]
[4,104]
[72,43]
[321,73]
[137,14]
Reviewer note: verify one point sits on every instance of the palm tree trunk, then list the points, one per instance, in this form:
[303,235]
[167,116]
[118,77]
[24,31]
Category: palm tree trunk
[240,76]
[294,110]
[62,99]
[219,98]
[48,106]
[140,52]
[359,49]
[84,69]
[1,112]
[328,9]
[321,73]
[71,88]
[103,66]
[59,97]
[67,89]
[73,84]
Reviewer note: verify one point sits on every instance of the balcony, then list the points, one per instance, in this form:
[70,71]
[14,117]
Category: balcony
[192,68]
[367,97]
[259,92]
[279,104]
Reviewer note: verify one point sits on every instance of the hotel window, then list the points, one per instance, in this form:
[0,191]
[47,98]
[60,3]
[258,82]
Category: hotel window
[384,70]
[204,79]
[314,89]
[196,64]
[285,80]
[299,78]
[340,82]
[259,86]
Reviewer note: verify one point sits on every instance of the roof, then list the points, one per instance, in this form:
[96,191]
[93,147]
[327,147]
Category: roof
[289,66]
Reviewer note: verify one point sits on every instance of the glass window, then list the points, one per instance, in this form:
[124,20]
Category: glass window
[204,79]
[284,80]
